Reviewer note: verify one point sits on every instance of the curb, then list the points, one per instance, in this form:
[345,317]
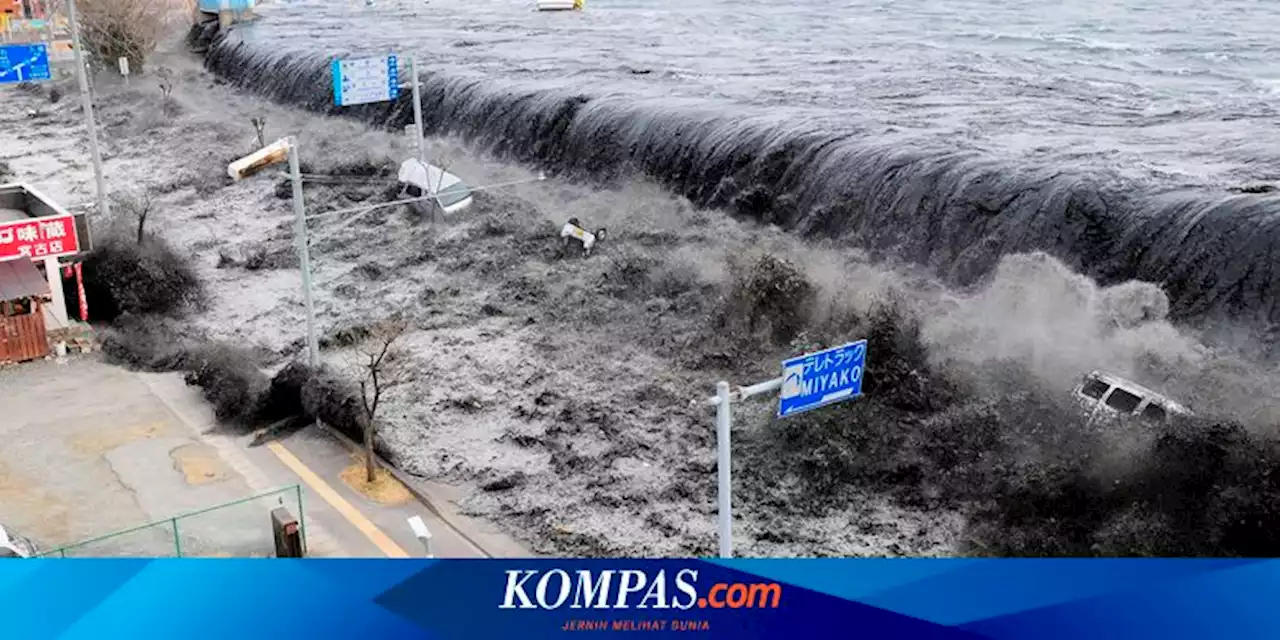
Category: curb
[424,496]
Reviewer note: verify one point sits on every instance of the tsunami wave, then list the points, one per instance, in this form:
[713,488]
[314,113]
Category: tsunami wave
[956,212]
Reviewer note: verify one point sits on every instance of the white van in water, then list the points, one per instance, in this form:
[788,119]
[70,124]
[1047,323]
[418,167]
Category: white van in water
[418,178]
[1116,396]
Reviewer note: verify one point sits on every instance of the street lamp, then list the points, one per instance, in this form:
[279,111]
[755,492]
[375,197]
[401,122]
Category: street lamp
[287,149]
[259,160]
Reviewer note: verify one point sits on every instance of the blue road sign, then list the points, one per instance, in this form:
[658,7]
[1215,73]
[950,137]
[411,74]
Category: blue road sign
[818,379]
[365,80]
[24,63]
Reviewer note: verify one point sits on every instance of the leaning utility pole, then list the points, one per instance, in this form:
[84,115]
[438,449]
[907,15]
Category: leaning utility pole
[86,101]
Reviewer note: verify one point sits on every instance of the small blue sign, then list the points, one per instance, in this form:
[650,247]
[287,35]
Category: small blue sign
[216,6]
[24,63]
[365,80]
[822,378]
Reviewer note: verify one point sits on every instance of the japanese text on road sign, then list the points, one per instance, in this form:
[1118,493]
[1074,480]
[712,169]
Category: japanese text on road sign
[24,63]
[39,238]
[822,378]
[365,80]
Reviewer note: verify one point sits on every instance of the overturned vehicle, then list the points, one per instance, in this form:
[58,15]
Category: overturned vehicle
[432,186]
[1106,395]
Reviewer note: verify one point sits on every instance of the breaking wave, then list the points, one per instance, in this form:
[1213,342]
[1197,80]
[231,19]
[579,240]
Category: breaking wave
[956,212]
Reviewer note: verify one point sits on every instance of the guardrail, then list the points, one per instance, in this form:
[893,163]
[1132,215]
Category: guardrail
[240,528]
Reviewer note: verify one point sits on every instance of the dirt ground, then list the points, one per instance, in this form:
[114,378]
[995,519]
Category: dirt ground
[556,391]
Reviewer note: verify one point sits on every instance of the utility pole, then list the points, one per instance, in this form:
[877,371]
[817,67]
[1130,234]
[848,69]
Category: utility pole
[274,154]
[86,101]
[304,252]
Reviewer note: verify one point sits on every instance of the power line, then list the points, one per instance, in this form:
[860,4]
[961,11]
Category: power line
[448,191]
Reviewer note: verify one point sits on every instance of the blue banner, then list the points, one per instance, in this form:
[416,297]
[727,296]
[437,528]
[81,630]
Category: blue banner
[741,599]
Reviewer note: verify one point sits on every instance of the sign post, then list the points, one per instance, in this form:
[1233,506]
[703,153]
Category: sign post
[417,111]
[724,480]
[808,382]
[368,80]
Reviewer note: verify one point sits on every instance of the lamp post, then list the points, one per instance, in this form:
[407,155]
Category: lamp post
[304,254]
[286,149]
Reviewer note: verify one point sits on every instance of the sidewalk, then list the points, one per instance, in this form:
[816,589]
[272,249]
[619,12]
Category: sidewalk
[341,521]
[92,449]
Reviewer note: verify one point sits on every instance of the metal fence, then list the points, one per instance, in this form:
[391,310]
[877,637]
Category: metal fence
[238,529]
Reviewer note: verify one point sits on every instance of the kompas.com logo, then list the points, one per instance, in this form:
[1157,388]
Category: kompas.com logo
[631,589]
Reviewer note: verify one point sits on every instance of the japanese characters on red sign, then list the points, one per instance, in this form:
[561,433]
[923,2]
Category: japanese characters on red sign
[39,238]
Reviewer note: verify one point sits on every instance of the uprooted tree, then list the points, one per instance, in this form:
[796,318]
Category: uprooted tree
[384,365]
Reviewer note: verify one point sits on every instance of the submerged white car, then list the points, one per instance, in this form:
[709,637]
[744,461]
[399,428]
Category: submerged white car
[419,179]
[1109,395]
[15,546]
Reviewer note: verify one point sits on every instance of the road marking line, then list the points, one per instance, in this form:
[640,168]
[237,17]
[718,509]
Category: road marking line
[353,515]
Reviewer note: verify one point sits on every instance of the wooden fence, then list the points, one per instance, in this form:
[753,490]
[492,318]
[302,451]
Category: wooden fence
[23,337]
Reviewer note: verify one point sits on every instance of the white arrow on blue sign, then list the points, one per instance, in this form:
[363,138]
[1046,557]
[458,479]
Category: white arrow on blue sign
[825,377]
[24,63]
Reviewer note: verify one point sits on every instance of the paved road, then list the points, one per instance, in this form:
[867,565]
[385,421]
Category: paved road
[91,449]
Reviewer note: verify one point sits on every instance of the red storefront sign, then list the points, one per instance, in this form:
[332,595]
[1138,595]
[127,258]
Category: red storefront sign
[39,238]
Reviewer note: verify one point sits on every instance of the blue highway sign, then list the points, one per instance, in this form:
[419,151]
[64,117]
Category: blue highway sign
[365,80]
[818,379]
[24,63]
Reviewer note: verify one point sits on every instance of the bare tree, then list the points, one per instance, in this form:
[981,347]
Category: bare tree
[134,206]
[260,127]
[165,78]
[141,208]
[114,29]
[385,367]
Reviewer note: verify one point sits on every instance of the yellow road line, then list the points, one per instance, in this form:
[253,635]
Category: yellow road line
[353,515]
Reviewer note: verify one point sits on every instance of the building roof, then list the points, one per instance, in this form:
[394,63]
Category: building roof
[19,278]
